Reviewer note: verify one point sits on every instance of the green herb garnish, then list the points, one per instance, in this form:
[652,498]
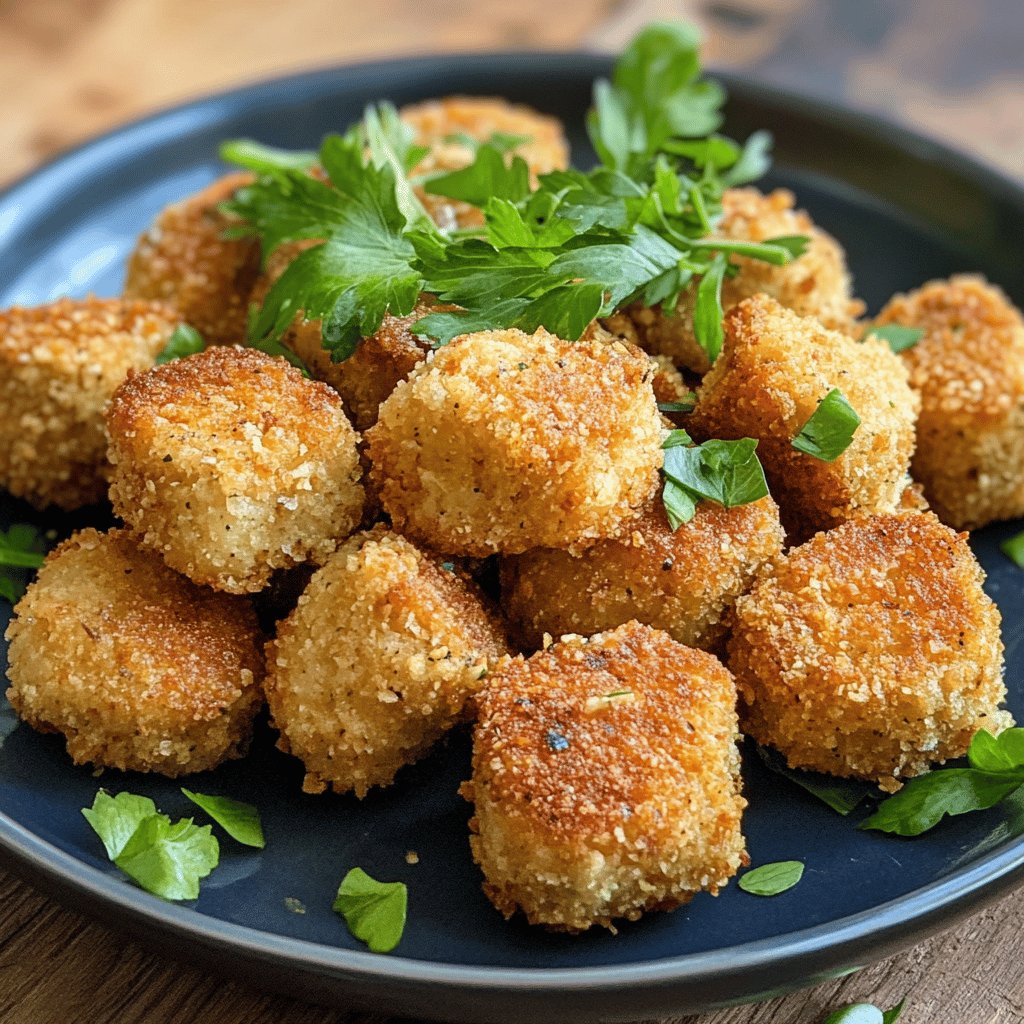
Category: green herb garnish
[21,550]
[164,858]
[898,337]
[830,428]
[865,1013]
[772,879]
[996,771]
[263,159]
[687,404]
[241,821]
[842,795]
[374,911]
[1013,548]
[185,341]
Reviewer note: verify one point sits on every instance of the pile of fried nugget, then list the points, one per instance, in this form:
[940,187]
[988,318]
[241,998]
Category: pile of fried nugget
[489,543]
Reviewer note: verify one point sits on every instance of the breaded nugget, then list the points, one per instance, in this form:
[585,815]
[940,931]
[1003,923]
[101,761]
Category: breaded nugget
[816,284]
[774,369]
[59,364]
[447,126]
[184,259]
[232,464]
[377,662]
[969,371]
[504,441]
[140,669]
[683,582]
[606,780]
[872,652]
[370,374]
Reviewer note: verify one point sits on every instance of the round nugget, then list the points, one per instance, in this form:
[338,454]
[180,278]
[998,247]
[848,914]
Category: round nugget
[232,464]
[606,780]
[968,368]
[59,364]
[774,370]
[379,659]
[504,441]
[140,669]
[815,284]
[451,126]
[872,652]
[683,581]
[184,259]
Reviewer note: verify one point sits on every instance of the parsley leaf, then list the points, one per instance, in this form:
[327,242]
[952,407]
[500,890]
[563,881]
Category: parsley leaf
[164,858]
[772,879]
[21,550]
[262,159]
[185,341]
[374,911]
[842,795]
[898,337]
[241,821]
[865,1013]
[486,177]
[830,429]
[996,771]
[1013,548]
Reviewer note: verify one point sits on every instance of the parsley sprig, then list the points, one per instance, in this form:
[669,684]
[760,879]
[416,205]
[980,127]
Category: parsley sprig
[22,550]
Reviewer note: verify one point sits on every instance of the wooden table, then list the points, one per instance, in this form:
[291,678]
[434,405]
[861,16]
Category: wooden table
[71,68]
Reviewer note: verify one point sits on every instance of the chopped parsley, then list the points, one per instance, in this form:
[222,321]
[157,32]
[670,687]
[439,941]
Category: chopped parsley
[185,341]
[1013,548]
[772,879]
[241,821]
[896,336]
[995,772]
[165,858]
[830,429]
[374,911]
[22,550]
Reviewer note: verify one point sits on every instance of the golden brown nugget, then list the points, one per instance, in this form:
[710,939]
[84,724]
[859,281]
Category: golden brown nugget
[872,652]
[231,464]
[59,365]
[184,259]
[379,659]
[815,284]
[684,581]
[774,369]
[140,669]
[606,780]
[504,441]
[450,126]
[968,368]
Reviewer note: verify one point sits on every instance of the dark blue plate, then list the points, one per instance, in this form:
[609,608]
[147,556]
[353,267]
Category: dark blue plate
[906,210]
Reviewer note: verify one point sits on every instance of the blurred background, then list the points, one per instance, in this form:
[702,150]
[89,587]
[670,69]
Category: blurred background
[72,68]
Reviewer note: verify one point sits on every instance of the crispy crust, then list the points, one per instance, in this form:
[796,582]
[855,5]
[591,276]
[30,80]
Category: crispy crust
[968,369]
[231,464]
[872,652]
[816,284]
[377,662]
[140,669]
[774,369]
[684,581]
[591,808]
[502,441]
[59,364]
[185,260]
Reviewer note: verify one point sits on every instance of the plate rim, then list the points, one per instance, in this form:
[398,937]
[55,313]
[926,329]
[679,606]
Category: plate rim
[868,934]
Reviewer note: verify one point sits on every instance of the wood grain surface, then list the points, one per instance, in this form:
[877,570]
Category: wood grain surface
[72,68]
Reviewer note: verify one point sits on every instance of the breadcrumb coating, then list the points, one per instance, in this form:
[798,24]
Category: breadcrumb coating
[816,284]
[774,369]
[968,368]
[379,659]
[606,780]
[684,581]
[440,123]
[184,259]
[140,669]
[872,652]
[371,373]
[231,464]
[503,441]
[59,364]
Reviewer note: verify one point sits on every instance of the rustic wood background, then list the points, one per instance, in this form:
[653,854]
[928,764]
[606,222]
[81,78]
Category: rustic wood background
[72,68]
